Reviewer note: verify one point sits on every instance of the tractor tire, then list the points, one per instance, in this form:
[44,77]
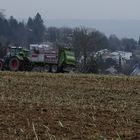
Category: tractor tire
[1,65]
[27,65]
[54,69]
[14,64]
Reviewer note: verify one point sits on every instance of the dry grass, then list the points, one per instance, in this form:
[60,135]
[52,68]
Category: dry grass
[40,106]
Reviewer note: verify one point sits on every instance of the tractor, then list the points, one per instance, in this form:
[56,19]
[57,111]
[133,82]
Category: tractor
[38,59]
[16,59]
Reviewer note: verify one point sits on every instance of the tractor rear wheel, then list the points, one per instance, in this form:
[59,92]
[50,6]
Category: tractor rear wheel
[1,65]
[14,64]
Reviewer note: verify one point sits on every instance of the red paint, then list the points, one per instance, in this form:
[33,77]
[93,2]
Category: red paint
[14,64]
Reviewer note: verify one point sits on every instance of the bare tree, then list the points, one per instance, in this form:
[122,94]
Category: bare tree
[2,15]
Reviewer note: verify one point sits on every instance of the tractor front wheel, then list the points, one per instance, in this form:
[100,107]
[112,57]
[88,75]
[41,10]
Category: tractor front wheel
[14,64]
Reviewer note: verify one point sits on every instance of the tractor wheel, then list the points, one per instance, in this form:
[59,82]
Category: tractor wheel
[54,69]
[14,64]
[1,65]
[27,65]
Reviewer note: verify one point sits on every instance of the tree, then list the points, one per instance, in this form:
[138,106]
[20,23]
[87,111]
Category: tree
[1,27]
[97,41]
[129,44]
[53,34]
[30,28]
[114,43]
[13,26]
[139,43]
[30,23]
[80,43]
[86,42]
[2,15]
[13,23]
[38,28]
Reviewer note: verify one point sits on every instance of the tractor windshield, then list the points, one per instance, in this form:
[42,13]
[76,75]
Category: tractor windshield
[13,51]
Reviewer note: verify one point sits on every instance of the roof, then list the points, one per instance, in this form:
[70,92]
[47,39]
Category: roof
[111,70]
[123,54]
[136,71]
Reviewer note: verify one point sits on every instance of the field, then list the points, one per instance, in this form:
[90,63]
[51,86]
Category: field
[41,106]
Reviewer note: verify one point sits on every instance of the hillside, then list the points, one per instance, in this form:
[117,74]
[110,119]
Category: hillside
[40,106]
[121,28]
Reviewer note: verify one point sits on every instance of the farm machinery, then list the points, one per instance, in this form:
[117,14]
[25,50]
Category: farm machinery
[38,59]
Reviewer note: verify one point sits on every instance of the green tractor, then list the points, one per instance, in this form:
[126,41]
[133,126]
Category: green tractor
[16,59]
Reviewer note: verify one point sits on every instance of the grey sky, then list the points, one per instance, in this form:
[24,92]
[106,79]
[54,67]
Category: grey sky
[73,9]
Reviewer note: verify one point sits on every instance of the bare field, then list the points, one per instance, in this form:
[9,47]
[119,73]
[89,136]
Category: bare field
[40,106]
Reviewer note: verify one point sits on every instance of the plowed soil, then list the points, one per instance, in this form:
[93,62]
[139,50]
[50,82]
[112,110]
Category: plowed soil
[40,106]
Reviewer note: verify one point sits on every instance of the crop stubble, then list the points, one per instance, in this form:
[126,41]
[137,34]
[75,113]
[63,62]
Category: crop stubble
[40,106]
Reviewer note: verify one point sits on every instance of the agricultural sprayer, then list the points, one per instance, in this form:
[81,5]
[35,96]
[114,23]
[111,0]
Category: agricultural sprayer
[38,59]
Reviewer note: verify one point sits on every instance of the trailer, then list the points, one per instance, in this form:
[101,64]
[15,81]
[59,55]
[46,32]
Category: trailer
[38,58]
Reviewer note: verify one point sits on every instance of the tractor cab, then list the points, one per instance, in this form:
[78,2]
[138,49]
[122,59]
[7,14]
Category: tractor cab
[16,59]
[17,51]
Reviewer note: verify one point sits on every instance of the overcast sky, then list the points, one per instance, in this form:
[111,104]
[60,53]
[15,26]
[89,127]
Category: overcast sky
[73,9]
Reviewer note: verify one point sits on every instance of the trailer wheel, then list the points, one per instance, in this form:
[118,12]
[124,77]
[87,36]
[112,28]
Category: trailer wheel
[37,69]
[1,65]
[47,68]
[61,69]
[14,64]
[54,69]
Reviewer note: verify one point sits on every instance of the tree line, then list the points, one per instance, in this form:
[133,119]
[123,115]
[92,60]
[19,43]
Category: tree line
[84,41]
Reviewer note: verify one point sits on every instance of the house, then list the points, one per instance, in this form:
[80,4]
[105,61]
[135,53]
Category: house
[111,70]
[117,56]
[136,71]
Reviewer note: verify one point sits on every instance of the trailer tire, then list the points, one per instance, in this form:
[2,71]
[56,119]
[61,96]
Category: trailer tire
[54,69]
[1,65]
[14,64]
[47,68]
[61,69]
[37,69]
